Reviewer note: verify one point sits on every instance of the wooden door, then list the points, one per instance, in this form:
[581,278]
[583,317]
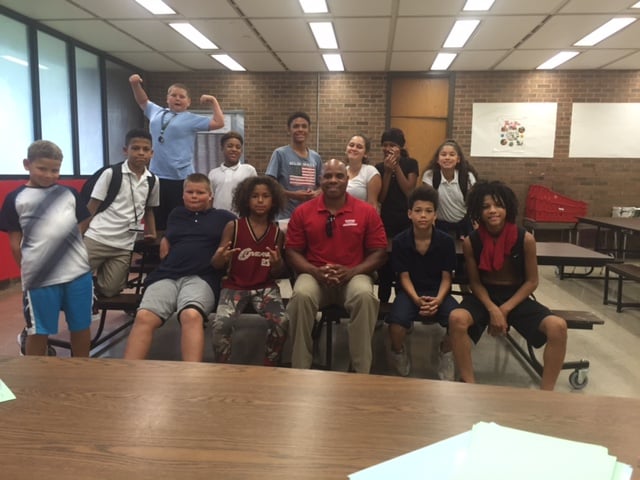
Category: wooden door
[420,107]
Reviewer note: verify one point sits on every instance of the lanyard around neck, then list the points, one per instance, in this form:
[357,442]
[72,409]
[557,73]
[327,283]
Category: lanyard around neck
[165,123]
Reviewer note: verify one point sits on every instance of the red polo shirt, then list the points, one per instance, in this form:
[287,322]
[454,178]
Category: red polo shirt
[357,229]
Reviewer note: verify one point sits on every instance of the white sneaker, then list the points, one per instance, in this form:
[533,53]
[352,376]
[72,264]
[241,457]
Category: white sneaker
[22,340]
[446,367]
[401,362]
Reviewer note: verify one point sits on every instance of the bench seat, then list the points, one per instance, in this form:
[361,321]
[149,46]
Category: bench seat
[576,319]
[625,271]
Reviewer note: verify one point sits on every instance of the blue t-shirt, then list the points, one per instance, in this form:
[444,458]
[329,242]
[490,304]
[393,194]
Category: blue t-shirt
[193,238]
[52,248]
[173,156]
[294,173]
[425,270]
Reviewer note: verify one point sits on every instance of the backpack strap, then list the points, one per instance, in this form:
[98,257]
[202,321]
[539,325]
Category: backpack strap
[151,179]
[437,178]
[114,187]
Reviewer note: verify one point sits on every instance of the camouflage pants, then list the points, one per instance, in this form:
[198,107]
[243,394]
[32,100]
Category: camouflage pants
[267,302]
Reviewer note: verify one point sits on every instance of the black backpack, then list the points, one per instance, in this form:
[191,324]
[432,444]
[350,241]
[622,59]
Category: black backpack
[114,186]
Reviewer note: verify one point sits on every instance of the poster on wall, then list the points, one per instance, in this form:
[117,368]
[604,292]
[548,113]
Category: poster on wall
[513,129]
[605,130]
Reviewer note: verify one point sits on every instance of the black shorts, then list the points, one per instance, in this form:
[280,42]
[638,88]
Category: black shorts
[525,318]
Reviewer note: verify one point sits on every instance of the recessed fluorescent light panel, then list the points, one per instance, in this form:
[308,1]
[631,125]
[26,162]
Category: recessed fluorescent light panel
[333,61]
[442,61]
[21,62]
[556,60]
[157,7]
[324,35]
[314,6]
[460,33]
[229,62]
[189,32]
[478,5]
[12,59]
[612,26]
[636,5]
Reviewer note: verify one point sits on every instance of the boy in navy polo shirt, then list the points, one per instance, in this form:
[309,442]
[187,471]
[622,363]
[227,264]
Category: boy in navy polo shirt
[423,259]
[185,282]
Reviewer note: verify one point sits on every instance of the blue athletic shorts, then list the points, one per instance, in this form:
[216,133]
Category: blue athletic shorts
[42,306]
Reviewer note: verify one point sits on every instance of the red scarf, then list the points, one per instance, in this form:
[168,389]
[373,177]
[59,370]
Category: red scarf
[494,249]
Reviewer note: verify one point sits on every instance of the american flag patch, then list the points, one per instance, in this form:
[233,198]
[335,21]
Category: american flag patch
[302,176]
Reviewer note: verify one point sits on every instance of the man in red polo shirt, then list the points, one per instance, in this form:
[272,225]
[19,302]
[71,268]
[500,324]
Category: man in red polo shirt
[335,243]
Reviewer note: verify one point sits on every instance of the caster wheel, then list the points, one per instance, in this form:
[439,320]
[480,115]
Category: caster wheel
[578,379]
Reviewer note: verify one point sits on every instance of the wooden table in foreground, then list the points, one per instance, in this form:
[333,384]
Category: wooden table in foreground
[115,419]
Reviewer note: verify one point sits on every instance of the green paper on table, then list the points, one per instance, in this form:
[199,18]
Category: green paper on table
[5,393]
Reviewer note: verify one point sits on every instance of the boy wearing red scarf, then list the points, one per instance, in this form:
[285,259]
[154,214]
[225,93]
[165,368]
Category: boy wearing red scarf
[502,267]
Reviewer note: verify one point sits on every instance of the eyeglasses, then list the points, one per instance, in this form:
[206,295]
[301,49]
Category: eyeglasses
[328,228]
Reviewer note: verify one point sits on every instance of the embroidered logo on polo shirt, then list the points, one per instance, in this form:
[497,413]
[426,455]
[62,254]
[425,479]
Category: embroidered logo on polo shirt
[350,222]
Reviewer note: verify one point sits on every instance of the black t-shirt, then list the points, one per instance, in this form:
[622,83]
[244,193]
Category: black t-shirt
[393,210]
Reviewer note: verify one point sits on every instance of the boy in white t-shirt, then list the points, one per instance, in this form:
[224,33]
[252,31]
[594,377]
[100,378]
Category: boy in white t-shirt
[113,231]
[225,178]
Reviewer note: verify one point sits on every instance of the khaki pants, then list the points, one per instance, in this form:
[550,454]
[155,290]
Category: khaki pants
[110,266]
[358,299]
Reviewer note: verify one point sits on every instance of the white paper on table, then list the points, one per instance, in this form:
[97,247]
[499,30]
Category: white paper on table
[438,461]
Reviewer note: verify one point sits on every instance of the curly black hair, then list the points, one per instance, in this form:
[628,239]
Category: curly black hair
[244,190]
[424,193]
[501,194]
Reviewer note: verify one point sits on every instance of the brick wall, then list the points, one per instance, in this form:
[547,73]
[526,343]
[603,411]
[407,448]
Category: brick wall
[602,183]
[340,104]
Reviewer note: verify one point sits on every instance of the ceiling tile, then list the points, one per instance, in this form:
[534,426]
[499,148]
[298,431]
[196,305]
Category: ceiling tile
[430,7]
[113,9]
[96,33]
[632,62]
[477,60]
[150,61]
[502,32]
[412,61]
[156,34]
[364,61]
[525,59]
[270,8]
[232,35]
[373,35]
[596,6]
[289,35]
[525,7]
[259,62]
[422,33]
[202,8]
[362,34]
[360,8]
[49,10]
[595,59]
[303,62]
[563,31]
